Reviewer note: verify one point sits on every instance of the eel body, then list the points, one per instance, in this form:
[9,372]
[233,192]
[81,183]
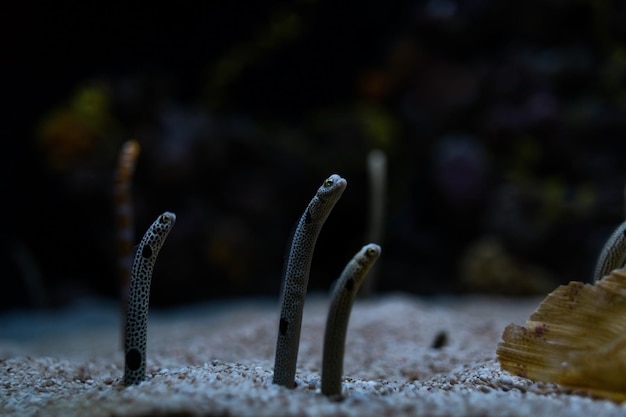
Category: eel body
[342,299]
[296,277]
[613,253]
[124,225]
[139,295]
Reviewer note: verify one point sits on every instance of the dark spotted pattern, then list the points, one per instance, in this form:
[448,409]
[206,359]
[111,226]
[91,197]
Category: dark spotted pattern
[296,277]
[341,302]
[613,253]
[137,317]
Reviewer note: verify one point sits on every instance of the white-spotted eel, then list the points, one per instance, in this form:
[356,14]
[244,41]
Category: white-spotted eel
[137,316]
[341,302]
[613,253]
[296,277]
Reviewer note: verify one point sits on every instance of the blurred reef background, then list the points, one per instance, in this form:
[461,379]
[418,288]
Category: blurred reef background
[504,126]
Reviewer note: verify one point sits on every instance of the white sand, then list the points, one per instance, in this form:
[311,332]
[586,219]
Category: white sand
[218,362]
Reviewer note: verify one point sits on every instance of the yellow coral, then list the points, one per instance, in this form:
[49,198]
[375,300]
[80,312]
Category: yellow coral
[576,338]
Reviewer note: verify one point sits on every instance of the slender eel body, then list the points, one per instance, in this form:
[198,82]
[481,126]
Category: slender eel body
[124,225]
[613,253]
[137,317]
[341,302]
[296,277]
[377,173]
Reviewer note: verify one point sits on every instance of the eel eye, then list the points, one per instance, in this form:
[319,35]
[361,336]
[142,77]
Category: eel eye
[328,182]
[164,218]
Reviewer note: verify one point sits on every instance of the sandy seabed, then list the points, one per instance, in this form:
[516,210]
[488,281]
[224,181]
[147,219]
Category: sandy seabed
[217,360]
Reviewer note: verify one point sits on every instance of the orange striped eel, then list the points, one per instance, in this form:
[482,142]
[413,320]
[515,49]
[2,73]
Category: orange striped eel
[124,224]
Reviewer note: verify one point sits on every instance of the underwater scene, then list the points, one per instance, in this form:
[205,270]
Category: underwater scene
[453,169]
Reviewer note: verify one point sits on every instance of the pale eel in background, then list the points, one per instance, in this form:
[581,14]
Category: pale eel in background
[139,295]
[377,174]
[342,298]
[296,277]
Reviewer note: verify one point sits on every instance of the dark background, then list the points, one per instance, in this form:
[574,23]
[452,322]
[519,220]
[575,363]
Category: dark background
[503,124]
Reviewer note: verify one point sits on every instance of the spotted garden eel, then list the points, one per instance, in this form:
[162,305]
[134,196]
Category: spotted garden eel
[341,302]
[296,277]
[613,253]
[124,226]
[137,317]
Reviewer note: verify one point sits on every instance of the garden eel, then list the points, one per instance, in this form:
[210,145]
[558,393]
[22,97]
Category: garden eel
[124,226]
[377,173]
[137,318]
[296,277]
[341,302]
[613,253]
